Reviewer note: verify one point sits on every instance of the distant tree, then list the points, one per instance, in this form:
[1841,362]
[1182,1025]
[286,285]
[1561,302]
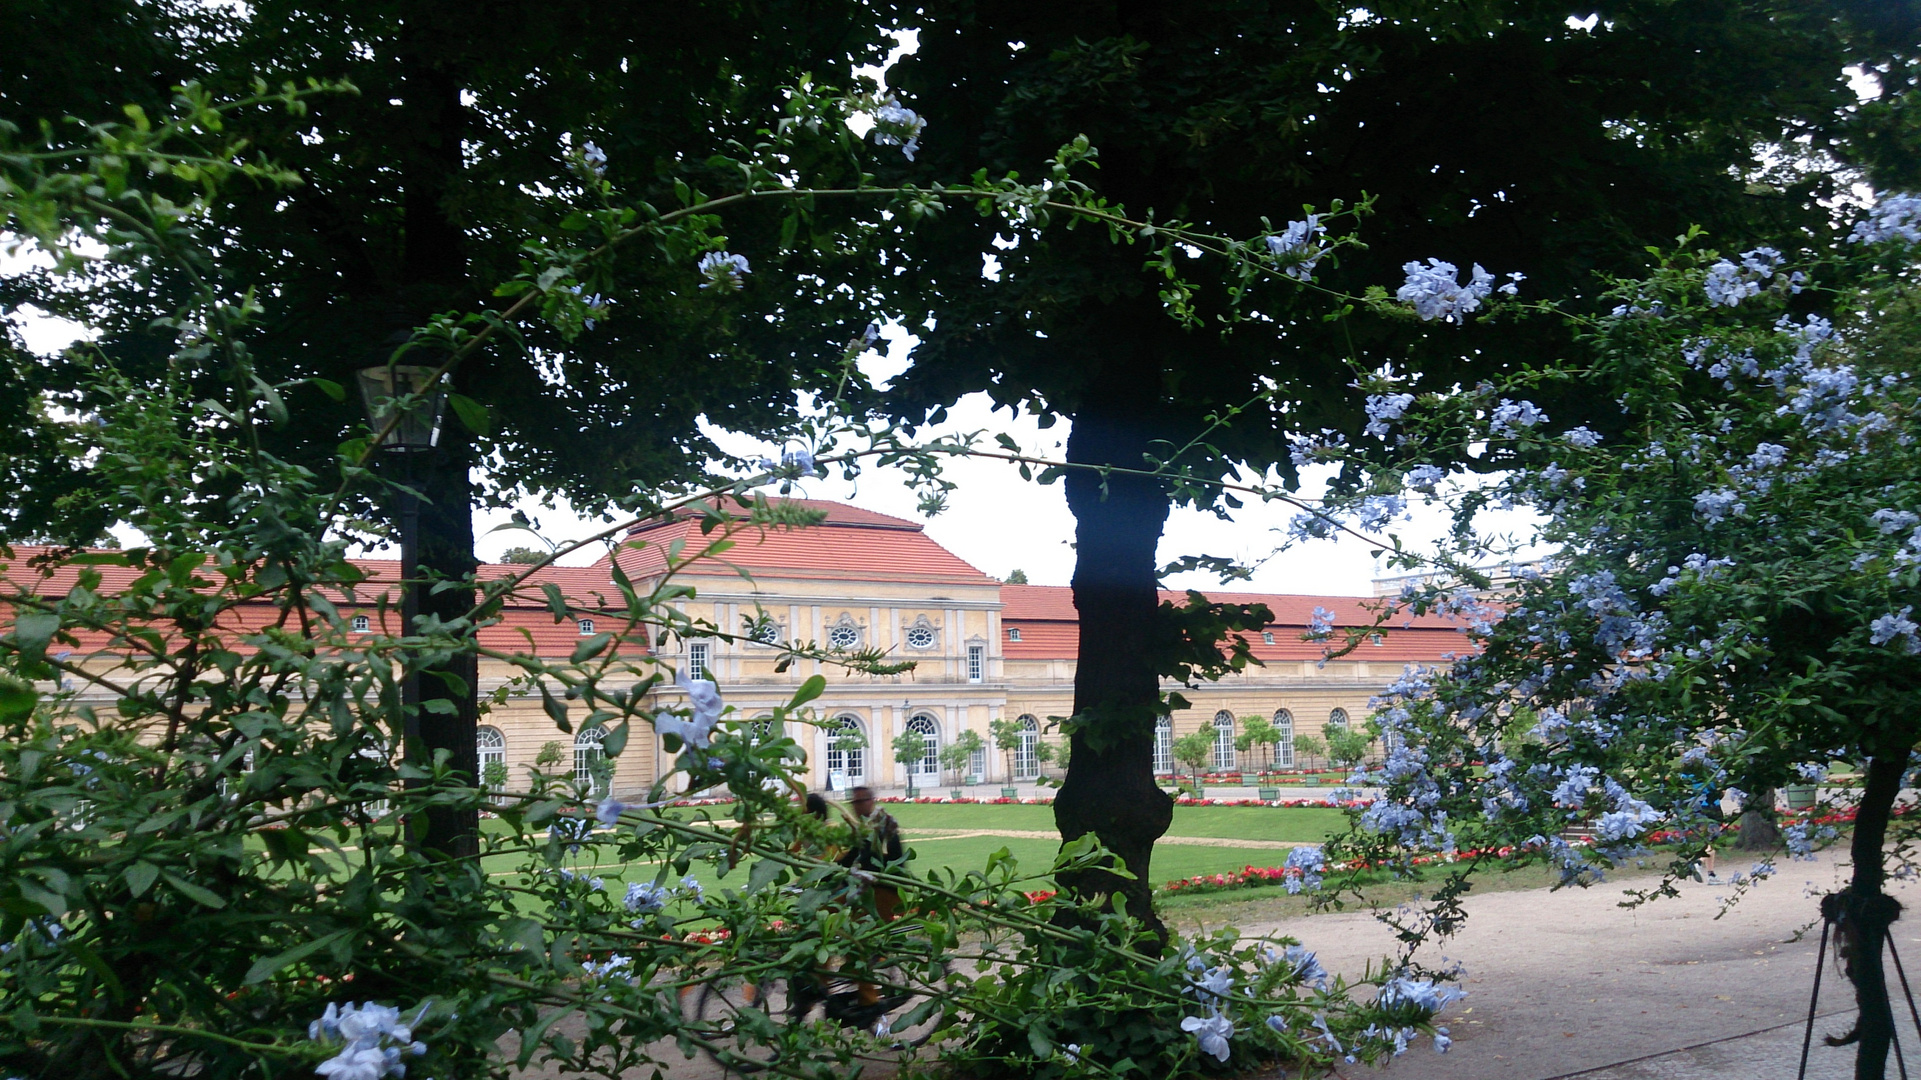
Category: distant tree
[910,749]
[1345,746]
[1309,747]
[1007,739]
[955,755]
[1195,750]
[522,556]
[1018,577]
[1257,731]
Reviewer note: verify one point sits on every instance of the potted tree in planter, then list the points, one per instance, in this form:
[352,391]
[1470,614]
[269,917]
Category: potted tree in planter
[955,755]
[1309,747]
[1257,731]
[910,748]
[1007,739]
[1194,751]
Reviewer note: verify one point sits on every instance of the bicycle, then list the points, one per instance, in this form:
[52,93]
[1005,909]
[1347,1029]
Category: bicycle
[752,1018]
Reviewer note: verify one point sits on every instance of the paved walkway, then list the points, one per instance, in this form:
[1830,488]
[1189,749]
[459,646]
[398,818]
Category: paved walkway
[1571,984]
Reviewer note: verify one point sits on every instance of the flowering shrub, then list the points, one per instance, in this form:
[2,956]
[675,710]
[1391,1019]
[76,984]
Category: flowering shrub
[1737,557]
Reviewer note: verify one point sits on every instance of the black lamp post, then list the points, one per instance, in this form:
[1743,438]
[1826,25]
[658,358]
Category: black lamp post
[405,402]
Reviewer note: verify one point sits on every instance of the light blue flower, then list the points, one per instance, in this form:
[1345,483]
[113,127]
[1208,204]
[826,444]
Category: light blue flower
[1894,217]
[722,270]
[1320,623]
[1213,1032]
[375,1040]
[1382,409]
[1895,626]
[1435,291]
[1309,861]
[645,897]
[1726,285]
[1510,417]
[896,125]
[1297,248]
[609,811]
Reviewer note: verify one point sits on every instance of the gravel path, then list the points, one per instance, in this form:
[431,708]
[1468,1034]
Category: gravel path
[1562,983]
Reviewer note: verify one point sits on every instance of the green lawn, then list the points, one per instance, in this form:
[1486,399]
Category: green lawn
[1034,854]
[1221,822]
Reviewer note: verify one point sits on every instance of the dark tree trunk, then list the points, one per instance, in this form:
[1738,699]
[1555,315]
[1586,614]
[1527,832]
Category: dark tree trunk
[434,279]
[1862,914]
[1758,829]
[1110,789]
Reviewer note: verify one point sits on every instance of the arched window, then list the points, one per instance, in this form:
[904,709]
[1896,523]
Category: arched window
[1164,746]
[1224,740]
[1027,759]
[928,767]
[1283,738]
[762,728]
[846,749]
[491,747]
[590,761]
[1337,720]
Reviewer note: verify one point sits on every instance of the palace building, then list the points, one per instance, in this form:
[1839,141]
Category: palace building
[982,651]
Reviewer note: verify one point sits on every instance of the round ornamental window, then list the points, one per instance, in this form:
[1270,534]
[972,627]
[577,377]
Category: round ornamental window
[844,636]
[920,637]
[767,633]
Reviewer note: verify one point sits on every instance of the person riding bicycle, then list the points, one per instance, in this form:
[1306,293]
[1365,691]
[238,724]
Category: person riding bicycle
[876,847]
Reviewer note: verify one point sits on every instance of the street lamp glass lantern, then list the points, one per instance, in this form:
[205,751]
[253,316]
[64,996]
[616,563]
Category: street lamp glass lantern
[419,426]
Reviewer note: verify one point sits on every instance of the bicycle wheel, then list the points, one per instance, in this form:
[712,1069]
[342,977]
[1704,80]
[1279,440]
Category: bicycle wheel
[910,1010]
[742,1020]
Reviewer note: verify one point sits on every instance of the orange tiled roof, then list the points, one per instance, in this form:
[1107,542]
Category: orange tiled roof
[850,545]
[1050,625]
[586,586]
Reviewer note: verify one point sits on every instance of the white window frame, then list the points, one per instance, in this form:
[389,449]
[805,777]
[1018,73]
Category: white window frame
[918,630]
[585,627]
[1164,746]
[490,746]
[1338,718]
[928,767]
[699,660]
[1267,637]
[850,629]
[1224,757]
[587,750]
[1013,633]
[977,764]
[849,763]
[362,624]
[1027,758]
[976,663]
[1284,746]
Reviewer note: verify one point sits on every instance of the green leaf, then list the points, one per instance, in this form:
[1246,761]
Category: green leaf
[17,699]
[614,741]
[764,873]
[591,647]
[266,966]
[330,388]
[33,630]
[140,877]
[808,691]
[473,415]
[199,894]
[556,709]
